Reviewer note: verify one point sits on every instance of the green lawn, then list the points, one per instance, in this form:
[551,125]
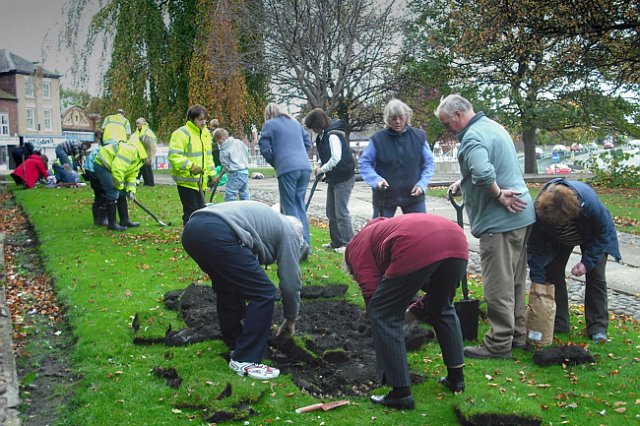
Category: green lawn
[103,278]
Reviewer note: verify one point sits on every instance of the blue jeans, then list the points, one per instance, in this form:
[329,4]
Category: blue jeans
[111,194]
[62,156]
[340,228]
[386,313]
[246,295]
[237,186]
[293,188]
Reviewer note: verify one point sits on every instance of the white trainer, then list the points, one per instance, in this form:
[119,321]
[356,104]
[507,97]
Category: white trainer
[253,370]
[340,250]
[327,245]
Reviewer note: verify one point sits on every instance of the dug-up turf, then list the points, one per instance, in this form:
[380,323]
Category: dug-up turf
[332,354]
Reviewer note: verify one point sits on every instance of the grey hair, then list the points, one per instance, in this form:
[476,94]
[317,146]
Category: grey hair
[273,110]
[452,103]
[395,108]
[141,120]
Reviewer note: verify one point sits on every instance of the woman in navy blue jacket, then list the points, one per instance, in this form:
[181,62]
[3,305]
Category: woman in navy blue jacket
[568,214]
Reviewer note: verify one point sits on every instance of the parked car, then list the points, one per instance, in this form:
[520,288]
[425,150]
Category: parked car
[560,149]
[558,169]
[592,146]
[577,147]
[634,143]
[539,152]
[608,145]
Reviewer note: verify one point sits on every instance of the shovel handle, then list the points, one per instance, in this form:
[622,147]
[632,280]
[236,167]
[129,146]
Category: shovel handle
[459,209]
[313,189]
[312,407]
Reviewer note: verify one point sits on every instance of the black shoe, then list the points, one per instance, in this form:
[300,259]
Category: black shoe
[404,403]
[457,387]
[522,346]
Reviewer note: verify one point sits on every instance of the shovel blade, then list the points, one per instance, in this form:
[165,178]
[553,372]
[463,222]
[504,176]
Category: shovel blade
[335,404]
[468,311]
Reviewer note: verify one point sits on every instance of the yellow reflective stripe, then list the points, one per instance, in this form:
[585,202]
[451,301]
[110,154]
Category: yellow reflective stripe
[123,158]
[185,179]
[193,154]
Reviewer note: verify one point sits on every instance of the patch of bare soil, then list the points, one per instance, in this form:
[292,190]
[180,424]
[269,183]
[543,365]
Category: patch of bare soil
[332,354]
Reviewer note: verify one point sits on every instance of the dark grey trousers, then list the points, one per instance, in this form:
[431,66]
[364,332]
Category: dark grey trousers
[386,313]
[595,295]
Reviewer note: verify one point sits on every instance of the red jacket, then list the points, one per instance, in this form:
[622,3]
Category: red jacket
[398,246]
[30,170]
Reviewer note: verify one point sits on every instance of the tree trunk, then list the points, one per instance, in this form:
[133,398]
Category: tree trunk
[529,140]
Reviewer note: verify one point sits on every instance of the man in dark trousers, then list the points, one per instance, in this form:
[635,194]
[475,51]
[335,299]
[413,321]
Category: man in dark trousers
[230,242]
[569,213]
[392,259]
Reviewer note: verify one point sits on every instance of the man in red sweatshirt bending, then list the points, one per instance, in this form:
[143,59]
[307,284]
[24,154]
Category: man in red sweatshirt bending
[392,259]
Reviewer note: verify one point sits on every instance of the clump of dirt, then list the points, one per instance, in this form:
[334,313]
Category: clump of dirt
[332,353]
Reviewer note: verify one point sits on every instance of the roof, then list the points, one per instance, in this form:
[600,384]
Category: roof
[7,96]
[12,63]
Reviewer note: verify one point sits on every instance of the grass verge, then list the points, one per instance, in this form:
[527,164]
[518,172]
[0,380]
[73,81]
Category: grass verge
[104,278]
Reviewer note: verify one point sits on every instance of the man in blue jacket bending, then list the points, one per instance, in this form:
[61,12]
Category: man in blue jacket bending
[569,213]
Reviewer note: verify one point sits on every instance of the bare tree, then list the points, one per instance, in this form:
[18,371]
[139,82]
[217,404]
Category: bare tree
[338,55]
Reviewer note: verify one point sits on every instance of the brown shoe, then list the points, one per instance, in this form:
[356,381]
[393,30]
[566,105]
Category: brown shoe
[482,352]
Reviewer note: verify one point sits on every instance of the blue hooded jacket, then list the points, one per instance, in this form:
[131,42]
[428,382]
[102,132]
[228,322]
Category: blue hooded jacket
[595,226]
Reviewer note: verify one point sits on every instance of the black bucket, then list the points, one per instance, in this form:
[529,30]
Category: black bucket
[468,312]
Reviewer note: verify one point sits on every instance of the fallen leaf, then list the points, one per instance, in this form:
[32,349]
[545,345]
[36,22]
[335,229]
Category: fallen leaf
[620,410]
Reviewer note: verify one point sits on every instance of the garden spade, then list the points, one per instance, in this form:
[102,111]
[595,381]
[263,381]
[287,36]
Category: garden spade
[468,310]
[161,223]
[324,407]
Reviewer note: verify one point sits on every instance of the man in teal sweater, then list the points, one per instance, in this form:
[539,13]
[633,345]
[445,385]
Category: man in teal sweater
[501,212]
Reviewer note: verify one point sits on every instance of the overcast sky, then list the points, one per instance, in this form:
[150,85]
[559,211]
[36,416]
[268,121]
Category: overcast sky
[30,28]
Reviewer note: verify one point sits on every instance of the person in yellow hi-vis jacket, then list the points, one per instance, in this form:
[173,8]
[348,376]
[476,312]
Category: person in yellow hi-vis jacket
[117,166]
[190,150]
[115,128]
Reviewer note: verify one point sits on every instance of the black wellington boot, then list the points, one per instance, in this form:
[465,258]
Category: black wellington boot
[111,217]
[96,214]
[123,212]
[102,215]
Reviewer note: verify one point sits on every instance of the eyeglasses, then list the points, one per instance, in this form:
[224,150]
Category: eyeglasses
[397,118]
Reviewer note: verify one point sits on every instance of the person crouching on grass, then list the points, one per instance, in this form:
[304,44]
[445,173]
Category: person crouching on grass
[393,258]
[230,242]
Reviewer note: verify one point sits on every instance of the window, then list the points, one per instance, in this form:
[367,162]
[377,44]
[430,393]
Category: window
[4,124]
[46,90]
[31,124]
[28,87]
[47,119]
